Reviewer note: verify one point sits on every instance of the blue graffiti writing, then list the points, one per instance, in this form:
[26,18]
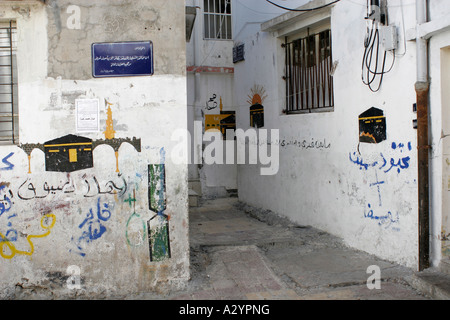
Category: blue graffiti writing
[378,184]
[5,206]
[382,163]
[9,165]
[5,201]
[400,146]
[385,220]
[402,163]
[93,226]
[360,162]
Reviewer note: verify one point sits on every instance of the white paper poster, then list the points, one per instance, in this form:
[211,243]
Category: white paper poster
[87,112]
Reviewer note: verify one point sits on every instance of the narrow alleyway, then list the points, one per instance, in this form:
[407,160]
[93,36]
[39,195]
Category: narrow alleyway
[240,253]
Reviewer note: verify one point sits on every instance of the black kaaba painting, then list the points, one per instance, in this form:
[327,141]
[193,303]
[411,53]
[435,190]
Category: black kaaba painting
[372,126]
[257,116]
[227,122]
[68,153]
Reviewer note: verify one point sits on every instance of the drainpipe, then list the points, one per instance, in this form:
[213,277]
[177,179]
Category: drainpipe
[422,88]
[197,112]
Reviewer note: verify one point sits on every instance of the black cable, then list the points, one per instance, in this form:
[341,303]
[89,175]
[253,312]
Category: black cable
[371,44]
[303,10]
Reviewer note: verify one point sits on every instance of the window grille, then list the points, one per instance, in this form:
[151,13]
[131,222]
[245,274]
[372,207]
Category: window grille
[9,118]
[217,19]
[309,82]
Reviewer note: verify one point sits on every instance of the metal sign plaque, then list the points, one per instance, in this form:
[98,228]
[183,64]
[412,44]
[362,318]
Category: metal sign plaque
[122,59]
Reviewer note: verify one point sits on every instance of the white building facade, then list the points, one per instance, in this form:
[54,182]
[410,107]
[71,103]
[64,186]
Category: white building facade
[338,80]
[90,203]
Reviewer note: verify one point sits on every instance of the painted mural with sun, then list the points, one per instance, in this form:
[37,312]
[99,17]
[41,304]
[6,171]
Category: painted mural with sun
[256,99]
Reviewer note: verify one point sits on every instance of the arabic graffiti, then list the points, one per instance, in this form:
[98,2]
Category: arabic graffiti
[306,144]
[383,163]
[5,199]
[92,226]
[28,191]
[135,238]
[110,187]
[8,165]
[385,221]
[47,223]
[6,196]
[212,103]
[398,162]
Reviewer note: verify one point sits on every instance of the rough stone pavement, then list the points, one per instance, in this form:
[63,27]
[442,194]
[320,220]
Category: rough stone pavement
[241,253]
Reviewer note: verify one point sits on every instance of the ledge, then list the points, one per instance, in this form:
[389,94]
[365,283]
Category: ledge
[292,17]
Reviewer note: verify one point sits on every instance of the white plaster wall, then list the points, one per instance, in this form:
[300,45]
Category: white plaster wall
[116,259]
[322,186]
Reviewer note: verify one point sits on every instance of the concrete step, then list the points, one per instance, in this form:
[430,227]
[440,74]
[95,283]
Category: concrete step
[431,282]
[195,185]
[193,198]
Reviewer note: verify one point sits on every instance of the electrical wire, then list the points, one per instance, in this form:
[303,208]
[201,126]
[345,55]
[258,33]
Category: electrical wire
[303,10]
[371,76]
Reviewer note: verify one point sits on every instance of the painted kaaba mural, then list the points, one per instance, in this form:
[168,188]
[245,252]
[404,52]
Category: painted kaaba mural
[256,99]
[68,153]
[372,126]
[71,152]
[221,122]
[257,116]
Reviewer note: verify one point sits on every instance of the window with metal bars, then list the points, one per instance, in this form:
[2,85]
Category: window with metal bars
[9,113]
[217,19]
[309,82]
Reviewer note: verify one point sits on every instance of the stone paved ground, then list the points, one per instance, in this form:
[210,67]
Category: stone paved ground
[240,253]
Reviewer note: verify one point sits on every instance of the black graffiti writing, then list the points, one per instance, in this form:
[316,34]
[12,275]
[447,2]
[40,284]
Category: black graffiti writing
[28,190]
[110,187]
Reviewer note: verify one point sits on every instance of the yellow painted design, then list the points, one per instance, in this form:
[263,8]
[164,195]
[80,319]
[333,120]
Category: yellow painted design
[364,134]
[53,151]
[117,161]
[29,164]
[109,132]
[371,118]
[212,121]
[257,96]
[68,144]
[73,155]
[12,248]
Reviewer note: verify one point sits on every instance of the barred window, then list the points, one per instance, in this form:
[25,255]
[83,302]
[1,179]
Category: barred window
[217,19]
[309,82]
[9,118]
